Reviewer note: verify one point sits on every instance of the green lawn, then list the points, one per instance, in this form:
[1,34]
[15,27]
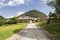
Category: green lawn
[8,30]
[54,29]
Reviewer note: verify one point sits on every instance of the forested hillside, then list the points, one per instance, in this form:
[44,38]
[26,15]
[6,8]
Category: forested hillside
[33,13]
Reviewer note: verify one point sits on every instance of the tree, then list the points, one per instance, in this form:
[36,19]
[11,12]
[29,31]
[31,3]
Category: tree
[50,14]
[55,15]
[56,5]
[13,20]
[2,20]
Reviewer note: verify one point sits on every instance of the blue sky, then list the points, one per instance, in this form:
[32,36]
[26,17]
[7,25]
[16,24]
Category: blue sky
[10,8]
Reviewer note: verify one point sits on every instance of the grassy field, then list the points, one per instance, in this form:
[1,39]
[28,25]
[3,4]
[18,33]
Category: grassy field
[8,30]
[54,29]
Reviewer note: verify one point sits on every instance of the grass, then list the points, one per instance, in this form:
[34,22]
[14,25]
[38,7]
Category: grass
[53,29]
[8,30]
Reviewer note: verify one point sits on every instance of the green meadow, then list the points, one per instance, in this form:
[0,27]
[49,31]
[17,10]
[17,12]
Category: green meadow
[8,30]
[53,29]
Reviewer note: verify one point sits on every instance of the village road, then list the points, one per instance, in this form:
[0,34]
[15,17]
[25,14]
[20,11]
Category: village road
[31,32]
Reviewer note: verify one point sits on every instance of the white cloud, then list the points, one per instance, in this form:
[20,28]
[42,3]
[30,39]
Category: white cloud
[10,17]
[1,3]
[45,0]
[2,0]
[19,1]
[15,2]
[19,13]
[10,3]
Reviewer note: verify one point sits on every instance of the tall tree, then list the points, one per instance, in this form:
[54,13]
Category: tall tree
[55,15]
[56,5]
[50,14]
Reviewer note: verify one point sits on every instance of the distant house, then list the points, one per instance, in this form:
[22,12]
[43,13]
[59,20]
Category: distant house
[43,18]
[27,18]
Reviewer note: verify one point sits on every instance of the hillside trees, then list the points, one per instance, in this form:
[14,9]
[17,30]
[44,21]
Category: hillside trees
[2,20]
[33,13]
[13,20]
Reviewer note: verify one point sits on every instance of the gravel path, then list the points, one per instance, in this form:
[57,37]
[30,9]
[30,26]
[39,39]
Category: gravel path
[31,32]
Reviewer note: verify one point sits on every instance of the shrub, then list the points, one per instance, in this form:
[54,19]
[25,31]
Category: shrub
[25,21]
[13,20]
[2,22]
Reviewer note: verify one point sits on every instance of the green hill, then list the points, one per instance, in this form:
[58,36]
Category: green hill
[1,17]
[33,13]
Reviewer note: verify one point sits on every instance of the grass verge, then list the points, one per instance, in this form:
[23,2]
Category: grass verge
[8,30]
[53,29]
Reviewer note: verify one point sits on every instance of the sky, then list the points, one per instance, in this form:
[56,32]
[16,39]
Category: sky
[10,8]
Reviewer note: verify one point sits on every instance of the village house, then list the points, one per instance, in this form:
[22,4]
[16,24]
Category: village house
[43,18]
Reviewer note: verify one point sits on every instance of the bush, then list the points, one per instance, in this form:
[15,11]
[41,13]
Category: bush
[54,21]
[2,22]
[13,20]
[23,21]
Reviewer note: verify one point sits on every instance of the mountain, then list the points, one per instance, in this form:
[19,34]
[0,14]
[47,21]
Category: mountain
[1,17]
[33,13]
